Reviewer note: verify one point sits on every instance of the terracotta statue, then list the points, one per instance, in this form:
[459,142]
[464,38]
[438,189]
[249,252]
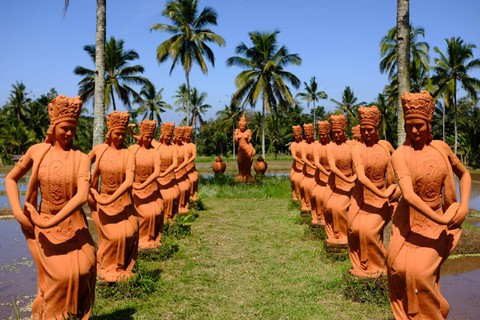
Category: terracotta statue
[308,181]
[181,173]
[339,186]
[145,190]
[192,155]
[370,209]
[296,174]
[57,236]
[169,190]
[246,151]
[426,223]
[111,202]
[322,173]
[356,134]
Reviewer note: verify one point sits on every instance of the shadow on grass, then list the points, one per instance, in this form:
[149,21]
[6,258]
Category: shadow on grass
[122,314]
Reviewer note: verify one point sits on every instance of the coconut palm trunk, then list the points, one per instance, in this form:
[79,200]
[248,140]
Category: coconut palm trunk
[99,99]
[403,61]
[263,125]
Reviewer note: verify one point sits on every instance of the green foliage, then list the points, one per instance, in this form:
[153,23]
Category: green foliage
[366,290]
[181,226]
[166,251]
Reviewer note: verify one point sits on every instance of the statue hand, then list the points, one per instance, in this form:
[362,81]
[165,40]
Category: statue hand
[136,185]
[390,191]
[34,215]
[95,195]
[459,217]
[449,215]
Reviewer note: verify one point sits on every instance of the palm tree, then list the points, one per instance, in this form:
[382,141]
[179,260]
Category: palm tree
[453,67]
[189,43]
[348,106]
[264,76]
[119,75]
[228,118]
[18,101]
[182,98]
[151,103]
[312,94]
[198,108]
[99,90]
[403,61]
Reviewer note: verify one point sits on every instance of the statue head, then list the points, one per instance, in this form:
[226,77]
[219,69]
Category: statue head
[370,118]
[147,132]
[63,111]
[323,128]
[339,124]
[242,123]
[309,132]
[187,135]
[418,111]
[117,124]
[356,135]
[178,134]
[297,133]
[166,131]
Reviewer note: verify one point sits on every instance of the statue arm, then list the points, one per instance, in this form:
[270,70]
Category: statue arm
[335,170]
[80,197]
[406,185]
[181,165]
[173,165]
[305,161]
[126,184]
[153,176]
[11,185]
[359,167]
[316,157]
[194,153]
[293,152]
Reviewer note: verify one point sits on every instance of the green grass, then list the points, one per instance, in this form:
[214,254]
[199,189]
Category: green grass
[246,257]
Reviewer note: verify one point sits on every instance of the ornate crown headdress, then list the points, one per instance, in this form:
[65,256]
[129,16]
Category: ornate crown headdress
[418,105]
[356,132]
[118,120]
[178,132]
[147,126]
[243,120]
[167,128]
[308,128]
[297,130]
[338,121]
[63,108]
[370,116]
[323,126]
[188,131]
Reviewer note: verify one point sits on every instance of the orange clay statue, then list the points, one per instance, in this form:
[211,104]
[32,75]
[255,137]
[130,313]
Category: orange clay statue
[169,190]
[322,173]
[192,155]
[308,181]
[296,174]
[370,208]
[181,173]
[339,187]
[111,202]
[246,151]
[145,191]
[426,223]
[57,236]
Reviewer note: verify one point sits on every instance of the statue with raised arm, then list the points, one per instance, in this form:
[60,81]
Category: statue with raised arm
[246,151]
[111,203]
[426,224]
[370,208]
[57,231]
[145,190]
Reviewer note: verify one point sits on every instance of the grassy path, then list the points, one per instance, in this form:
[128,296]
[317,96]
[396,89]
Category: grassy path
[248,257]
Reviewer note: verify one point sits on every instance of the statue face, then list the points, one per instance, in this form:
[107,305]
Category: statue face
[298,137]
[146,140]
[309,138]
[369,133]
[323,137]
[338,135]
[242,127]
[417,130]
[117,137]
[64,133]
[166,138]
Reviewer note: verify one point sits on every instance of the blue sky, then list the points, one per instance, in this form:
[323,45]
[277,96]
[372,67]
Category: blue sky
[338,41]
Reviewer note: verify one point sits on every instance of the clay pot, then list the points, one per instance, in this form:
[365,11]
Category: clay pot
[260,166]
[219,165]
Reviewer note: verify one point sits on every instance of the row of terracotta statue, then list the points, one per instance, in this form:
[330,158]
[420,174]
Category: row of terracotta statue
[355,187]
[131,192]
